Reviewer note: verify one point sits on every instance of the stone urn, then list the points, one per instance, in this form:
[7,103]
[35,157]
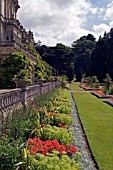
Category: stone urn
[56,78]
[39,82]
[51,79]
[22,83]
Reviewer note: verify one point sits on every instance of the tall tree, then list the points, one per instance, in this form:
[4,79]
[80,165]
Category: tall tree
[82,50]
[60,57]
[101,61]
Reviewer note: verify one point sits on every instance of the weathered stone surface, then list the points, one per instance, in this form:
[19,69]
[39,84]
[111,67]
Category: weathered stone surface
[13,37]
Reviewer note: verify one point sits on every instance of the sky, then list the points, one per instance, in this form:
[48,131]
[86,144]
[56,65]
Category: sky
[65,21]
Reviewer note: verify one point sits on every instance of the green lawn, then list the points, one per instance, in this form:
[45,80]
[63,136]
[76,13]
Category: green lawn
[75,87]
[97,120]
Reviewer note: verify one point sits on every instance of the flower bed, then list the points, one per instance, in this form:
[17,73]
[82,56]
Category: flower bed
[40,138]
[109,101]
[35,145]
[87,87]
[100,94]
[59,119]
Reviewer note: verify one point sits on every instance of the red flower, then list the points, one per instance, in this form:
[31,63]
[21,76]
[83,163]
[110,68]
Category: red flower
[63,148]
[99,92]
[34,150]
[42,125]
[73,148]
[45,147]
[30,141]
[33,105]
[56,144]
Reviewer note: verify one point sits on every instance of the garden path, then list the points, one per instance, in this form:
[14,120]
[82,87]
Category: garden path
[80,142]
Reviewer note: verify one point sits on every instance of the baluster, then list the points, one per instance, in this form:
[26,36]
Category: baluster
[2,105]
[11,98]
[4,101]
[14,98]
[8,98]
[0,102]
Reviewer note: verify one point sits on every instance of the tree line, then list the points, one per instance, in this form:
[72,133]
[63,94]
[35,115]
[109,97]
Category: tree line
[85,56]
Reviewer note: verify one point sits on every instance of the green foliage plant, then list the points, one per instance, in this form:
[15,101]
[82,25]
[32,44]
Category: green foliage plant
[95,82]
[53,162]
[64,109]
[42,70]
[92,82]
[62,118]
[51,78]
[10,152]
[59,102]
[15,67]
[107,83]
[61,134]
[58,119]
[111,90]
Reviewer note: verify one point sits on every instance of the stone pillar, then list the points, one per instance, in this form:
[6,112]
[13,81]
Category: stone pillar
[48,86]
[24,96]
[5,9]
[14,13]
[41,89]
[0,6]
[0,61]
[10,11]
[33,75]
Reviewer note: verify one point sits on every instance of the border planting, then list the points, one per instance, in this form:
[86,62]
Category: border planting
[100,94]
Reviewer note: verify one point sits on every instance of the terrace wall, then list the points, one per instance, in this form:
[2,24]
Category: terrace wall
[9,101]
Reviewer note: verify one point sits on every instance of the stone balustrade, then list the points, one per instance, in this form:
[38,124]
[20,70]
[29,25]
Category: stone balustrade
[8,102]
[12,99]
[6,48]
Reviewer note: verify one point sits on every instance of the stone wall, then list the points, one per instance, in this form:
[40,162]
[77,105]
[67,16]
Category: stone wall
[13,99]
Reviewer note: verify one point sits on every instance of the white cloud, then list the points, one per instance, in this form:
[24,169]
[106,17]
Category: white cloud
[109,11]
[106,15]
[101,28]
[94,10]
[101,10]
[60,3]
[111,24]
[54,21]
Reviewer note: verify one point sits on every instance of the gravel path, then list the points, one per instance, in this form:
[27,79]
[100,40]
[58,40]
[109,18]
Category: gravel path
[80,142]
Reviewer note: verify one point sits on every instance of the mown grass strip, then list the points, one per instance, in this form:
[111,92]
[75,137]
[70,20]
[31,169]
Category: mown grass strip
[97,119]
[75,87]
